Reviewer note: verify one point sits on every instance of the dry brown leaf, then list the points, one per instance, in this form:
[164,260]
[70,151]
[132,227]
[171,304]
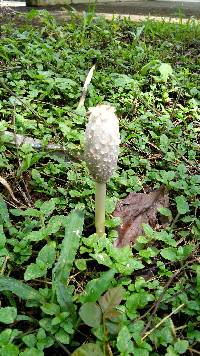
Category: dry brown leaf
[7,186]
[137,209]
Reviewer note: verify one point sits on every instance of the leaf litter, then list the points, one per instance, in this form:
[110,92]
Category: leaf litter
[138,209]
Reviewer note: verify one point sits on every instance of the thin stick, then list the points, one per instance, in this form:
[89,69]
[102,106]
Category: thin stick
[100,195]
[85,87]
[162,321]
[195,351]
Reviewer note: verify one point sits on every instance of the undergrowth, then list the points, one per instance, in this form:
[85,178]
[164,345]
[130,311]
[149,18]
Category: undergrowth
[64,290]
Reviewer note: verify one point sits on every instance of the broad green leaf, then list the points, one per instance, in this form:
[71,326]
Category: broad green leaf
[88,350]
[174,254]
[47,255]
[2,237]
[4,215]
[181,346]
[81,264]
[122,80]
[48,207]
[91,314]
[165,211]
[166,237]
[37,235]
[182,205]
[34,271]
[32,352]
[165,70]
[8,315]
[50,308]
[169,253]
[198,278]
[124,343]
[111,298]
[22,290]
[95,288]
[69,247]
[62,336]
[64,298]
[29,340]
[9,350]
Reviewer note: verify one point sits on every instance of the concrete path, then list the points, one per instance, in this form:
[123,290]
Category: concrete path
[136,9]
[153,8]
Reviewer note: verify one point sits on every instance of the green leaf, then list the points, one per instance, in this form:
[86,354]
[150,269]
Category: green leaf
[22,290]
[165,70]
[34,271]
[95,288]
[198,278]
[32,352]
[91,314]
[9,350]
[69,247]
[47,255]
[62,336]
[4,215]
[48,207]
[124,343]
[29,340]
[181,346]
[182,205]
[2,237]
[81,264]
[50,308]
[169,253]
[8,315]
[111,298]
[36,235]
[88,350]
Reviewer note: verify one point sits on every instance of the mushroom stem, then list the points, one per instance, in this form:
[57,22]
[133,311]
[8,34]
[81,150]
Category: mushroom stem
[100,195]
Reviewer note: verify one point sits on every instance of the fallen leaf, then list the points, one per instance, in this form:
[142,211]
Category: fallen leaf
[137,209]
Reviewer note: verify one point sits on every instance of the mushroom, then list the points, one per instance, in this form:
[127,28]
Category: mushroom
[102,141]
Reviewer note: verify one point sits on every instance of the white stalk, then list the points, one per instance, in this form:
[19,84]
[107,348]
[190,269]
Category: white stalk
[101,153]
[100,195]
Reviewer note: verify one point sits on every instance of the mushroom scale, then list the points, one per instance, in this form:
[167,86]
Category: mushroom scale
[102,142]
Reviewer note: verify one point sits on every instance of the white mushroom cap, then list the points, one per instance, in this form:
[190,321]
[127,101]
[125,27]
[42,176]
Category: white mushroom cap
[102,142]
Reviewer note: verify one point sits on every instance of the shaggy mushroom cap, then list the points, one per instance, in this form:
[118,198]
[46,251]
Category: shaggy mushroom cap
[102,142]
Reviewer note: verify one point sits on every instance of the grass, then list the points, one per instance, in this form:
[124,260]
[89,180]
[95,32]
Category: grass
[64,290]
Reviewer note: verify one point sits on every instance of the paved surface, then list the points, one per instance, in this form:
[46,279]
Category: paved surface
[153,8]
[134,8]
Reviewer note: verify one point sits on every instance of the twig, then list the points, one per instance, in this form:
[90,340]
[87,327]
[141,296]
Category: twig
[160,299]
[162,321]
[85,87]
[195,351]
